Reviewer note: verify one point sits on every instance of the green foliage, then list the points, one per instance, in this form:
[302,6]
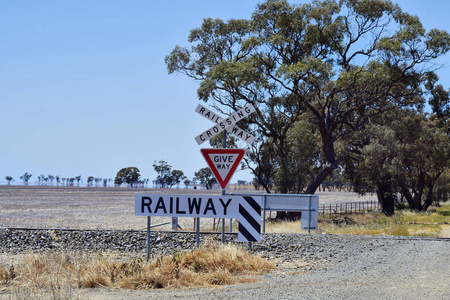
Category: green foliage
[176,177]
[90,180]
[9,179]
[205,177]
[166,176]
[217,141]
[26,177]
[439,103]
[404,156]
[263,156]
[307,63]
[441,191]
[129,175]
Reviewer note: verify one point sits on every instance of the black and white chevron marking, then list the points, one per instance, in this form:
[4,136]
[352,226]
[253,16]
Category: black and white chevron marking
[249,220]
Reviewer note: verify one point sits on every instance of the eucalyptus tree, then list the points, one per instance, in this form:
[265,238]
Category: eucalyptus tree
[404,156]
[441,191]
[163,169]
[51,178]
[205,176]
[339,63]
[166,176]
[9,179]
[43,179]
[176,177]
[128,175]
[26,177]
[78,179]
[187,182]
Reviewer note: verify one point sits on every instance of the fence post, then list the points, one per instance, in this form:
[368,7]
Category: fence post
[264,212]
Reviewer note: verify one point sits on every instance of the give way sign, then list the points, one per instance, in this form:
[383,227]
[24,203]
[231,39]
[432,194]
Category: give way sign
[223,163]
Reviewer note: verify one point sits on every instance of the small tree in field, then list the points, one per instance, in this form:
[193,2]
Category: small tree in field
[128,175]
[164,173]
[205,177]
[177,176]
[51,178]
[9,179]
[26,177]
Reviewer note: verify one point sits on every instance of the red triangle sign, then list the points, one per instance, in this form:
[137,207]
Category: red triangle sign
[223,163]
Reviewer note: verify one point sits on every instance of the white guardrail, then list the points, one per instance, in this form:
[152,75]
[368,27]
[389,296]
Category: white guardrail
[305,203]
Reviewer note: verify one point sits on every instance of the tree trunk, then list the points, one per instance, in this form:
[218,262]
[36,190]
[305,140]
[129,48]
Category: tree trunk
[320,177]
[386,197]
[407,195]
[330,157]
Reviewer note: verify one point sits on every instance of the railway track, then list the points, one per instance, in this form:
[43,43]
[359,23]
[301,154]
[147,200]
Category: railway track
[162,232]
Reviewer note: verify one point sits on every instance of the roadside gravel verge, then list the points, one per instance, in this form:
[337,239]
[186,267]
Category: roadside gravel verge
[314,266]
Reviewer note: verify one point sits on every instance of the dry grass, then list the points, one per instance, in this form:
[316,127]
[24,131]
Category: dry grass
[433,223]
[284,227]
[212,264]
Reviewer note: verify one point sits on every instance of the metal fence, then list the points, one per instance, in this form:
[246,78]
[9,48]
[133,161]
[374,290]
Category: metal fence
[349,208]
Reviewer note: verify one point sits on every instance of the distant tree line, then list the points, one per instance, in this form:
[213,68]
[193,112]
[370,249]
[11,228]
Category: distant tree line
[167,177]
[51,180]
[130,176]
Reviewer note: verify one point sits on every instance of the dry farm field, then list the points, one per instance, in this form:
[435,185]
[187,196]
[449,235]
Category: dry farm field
[101,208]
[74,207]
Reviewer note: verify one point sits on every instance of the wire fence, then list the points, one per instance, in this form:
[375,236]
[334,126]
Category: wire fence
[349,208]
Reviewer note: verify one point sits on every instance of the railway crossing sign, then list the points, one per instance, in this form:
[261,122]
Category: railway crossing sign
[223,163]
[225,124]
[245,208]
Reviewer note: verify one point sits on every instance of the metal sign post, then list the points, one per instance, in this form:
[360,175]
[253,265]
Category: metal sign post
[224,171]
[149,218]
[224,145]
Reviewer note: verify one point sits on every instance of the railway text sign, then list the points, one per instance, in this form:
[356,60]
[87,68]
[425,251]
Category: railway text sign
[187,206]
[246,209]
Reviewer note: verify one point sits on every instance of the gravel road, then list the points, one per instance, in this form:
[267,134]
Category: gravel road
[313,266]
[356,268]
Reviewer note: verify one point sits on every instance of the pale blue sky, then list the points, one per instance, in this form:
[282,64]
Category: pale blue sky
[84,89]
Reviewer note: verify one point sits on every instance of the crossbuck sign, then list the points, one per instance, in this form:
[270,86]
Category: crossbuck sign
[227,123]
